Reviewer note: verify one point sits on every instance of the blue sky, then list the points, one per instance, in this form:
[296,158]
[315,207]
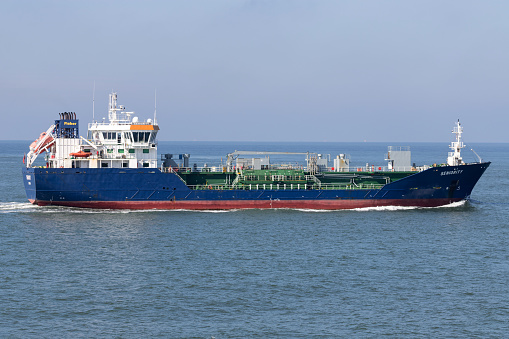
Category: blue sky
[388,71]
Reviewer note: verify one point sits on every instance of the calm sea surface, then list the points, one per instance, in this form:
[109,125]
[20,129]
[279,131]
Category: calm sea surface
[402,272]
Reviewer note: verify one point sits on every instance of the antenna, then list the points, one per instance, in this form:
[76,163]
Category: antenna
[93,103]
[480,159]
[155,106]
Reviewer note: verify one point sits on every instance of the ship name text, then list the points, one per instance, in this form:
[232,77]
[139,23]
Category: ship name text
[458,171]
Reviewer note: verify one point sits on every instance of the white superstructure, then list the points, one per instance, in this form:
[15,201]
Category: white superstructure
[121,142]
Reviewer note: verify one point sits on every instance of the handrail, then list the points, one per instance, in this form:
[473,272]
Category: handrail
[369,169]
[174,172]
[283,187]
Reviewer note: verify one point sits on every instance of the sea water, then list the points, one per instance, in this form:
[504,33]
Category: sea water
[392,271]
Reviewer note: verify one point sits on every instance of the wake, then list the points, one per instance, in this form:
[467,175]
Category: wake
[25,207]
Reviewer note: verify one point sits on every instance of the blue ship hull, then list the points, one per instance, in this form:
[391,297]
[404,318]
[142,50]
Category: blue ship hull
[149,188]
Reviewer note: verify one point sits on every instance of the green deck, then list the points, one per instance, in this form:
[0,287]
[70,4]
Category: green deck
[289,179]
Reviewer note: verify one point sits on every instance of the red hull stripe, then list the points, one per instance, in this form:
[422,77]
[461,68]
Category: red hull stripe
[249,204]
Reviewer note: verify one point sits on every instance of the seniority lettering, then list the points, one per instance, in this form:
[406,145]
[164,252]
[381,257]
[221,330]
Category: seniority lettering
[458,171]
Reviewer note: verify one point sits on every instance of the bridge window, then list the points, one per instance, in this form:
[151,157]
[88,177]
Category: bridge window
[141,136]
[110,135]
[128,136]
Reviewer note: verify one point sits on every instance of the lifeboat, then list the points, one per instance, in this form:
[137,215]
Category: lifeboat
[48,140]
[80,154]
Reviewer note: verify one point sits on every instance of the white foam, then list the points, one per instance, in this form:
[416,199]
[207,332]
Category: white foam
[25,207]
[360,209]
[309,210]
[22,207]
[404,208]
[453,205]
[11,207]
[63,209]
[184,210]
[385,208]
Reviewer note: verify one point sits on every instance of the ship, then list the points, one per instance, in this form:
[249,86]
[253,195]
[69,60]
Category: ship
[116,166]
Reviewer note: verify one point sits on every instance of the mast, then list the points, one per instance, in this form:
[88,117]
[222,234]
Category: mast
[454,158]
[93,104]
[112,110]
[117,114]
[155,106]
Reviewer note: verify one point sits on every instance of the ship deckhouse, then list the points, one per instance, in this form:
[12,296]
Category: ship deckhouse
[124,140]
[121,142]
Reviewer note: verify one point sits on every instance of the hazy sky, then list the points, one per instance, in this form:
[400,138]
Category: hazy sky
[280,70]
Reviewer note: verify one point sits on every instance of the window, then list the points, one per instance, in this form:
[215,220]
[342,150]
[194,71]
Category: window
[120,150]
[110,135]
[132,150]
[145,164]
[146,150]
[104,164]
[125,164]
[127,136]
[110,151]
[141,136]
[152,137]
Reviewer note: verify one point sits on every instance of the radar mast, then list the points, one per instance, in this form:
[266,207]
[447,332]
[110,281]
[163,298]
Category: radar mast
[454,158]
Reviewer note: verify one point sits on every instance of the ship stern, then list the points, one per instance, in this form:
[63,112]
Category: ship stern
[30,184]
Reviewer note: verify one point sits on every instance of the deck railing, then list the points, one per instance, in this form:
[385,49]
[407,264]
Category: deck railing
[279,187]
[369,169]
